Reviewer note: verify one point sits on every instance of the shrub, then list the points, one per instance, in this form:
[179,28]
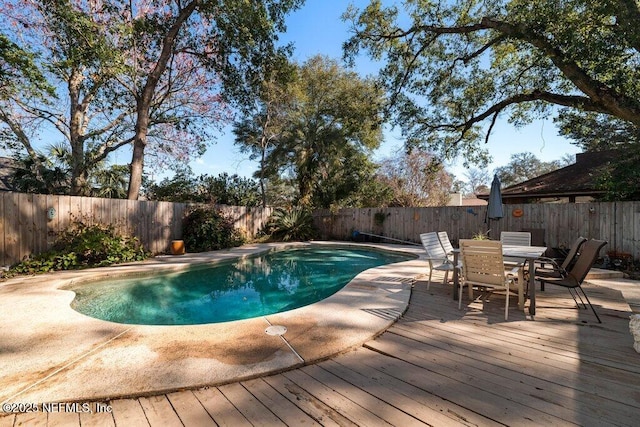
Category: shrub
[82,246]
[291,224]
[207,229]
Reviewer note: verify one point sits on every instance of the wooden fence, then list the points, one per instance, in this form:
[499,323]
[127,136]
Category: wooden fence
[26,227]
[616,222]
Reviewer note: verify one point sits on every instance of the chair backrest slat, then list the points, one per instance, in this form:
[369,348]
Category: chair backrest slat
[516,238]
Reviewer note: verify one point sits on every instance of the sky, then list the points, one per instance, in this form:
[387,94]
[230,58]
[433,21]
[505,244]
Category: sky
[316,28]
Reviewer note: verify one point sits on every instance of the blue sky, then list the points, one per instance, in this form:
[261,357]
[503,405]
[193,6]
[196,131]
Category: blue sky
[317,29]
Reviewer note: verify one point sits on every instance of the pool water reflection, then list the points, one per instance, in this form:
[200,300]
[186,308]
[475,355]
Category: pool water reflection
[270,283]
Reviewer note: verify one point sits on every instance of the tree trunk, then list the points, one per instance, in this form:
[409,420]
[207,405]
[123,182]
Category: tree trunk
[139,144]
[79,174]
[145,99]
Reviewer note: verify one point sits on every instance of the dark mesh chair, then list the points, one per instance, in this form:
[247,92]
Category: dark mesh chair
[573,278]
[548,267]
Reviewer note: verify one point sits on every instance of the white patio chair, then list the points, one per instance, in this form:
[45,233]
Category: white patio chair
[515,238]
[436,255]
[483,266]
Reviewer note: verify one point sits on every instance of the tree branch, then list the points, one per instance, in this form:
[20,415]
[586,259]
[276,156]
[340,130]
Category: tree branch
[580,102]
[611,102]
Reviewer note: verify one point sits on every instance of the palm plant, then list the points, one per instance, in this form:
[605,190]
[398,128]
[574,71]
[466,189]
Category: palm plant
[292,224]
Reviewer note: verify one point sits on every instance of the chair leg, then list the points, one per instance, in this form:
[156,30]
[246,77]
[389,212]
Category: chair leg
[446,277]
[577,294]
[581,300]
[590,305]
[520,286]
[506,305]
[575,300]
[430,274]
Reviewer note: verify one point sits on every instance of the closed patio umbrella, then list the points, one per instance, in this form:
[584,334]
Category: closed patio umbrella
[494,209]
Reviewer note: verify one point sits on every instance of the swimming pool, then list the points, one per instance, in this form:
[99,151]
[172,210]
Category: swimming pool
[266,284]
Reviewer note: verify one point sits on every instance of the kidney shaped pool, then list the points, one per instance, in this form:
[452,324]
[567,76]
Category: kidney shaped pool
[269,283]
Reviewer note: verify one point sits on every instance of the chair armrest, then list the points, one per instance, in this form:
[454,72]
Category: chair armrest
[546,260]
[514,271]
[542,271]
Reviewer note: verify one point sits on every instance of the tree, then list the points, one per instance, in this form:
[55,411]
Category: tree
[138,72]
[76,60]
[478,180]
[52,174]
[18,71]
[229,37]
[453,67]
[621,178]
[331,116]
[416,179]
[263,119]
[522,167]
[596,132]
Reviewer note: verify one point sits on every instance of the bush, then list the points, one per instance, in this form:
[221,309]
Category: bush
[207,229]
[291,224]
[82,246]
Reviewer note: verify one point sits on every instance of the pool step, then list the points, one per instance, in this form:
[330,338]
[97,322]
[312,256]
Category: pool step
[601,273]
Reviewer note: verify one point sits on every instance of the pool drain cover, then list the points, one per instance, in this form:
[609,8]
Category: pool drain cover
[276,330]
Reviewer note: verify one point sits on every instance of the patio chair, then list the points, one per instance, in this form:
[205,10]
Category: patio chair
[515,238]
[436,255]
[573,278]
[548,267]
[483,267]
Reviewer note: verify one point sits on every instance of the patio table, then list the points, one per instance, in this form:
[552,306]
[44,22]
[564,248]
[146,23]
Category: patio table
[528,253]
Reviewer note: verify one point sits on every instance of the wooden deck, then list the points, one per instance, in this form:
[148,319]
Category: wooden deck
[436,366]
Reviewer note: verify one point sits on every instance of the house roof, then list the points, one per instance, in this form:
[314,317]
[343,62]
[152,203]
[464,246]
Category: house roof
[7,169]
[578,179]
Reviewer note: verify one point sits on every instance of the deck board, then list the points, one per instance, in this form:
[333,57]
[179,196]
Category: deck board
[318,410]
[509,381]
[58,419]
[128,412]
[436,366]
[220,409]
[158,410]
[97,419]
[253,409]
[335,399]
[362,397]
[394,392]
[7,420]
[190,410]
[286,411]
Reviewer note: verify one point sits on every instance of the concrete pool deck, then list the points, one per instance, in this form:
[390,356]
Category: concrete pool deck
[51,353]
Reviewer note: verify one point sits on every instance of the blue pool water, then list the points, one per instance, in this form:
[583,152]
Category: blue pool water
[270,283]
